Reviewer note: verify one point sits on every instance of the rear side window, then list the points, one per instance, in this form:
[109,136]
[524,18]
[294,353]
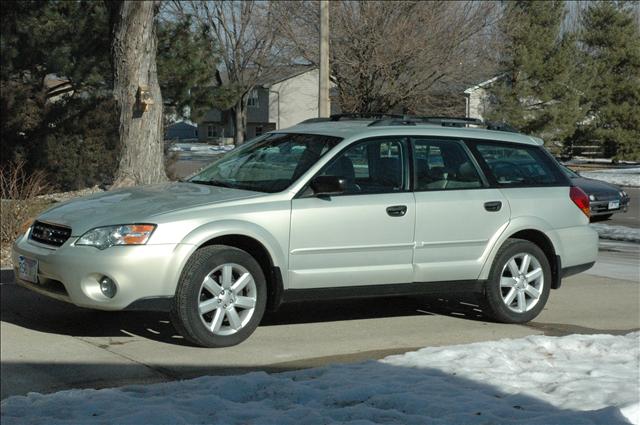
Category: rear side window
[443,165]
[518,165]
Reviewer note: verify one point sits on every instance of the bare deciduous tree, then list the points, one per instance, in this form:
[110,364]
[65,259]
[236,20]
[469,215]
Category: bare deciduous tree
[134,66]
[246,36]
[397,55]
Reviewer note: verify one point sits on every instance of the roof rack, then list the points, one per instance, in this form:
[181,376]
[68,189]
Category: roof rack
[445,122]
[384,120]
[376,116]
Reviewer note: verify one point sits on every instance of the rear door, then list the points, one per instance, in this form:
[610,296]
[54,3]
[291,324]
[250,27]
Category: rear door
[458,216]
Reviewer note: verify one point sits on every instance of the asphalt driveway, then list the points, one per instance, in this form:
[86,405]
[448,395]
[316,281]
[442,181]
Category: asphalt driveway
[49,345]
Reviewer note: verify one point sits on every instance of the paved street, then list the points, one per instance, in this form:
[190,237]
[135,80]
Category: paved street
[48,346]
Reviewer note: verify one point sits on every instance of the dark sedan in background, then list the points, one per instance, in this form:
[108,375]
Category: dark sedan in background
[605,198]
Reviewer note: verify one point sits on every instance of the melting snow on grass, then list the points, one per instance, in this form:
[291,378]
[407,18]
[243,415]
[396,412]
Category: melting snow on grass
[577,379]
[617,233]
[621,177]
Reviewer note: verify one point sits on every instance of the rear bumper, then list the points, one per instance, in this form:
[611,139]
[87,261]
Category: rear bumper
[578,246]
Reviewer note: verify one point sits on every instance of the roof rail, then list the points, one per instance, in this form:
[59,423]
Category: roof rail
[443,121]
[383,119]
[364,116]
[312,120]
[446,122]
[354,116]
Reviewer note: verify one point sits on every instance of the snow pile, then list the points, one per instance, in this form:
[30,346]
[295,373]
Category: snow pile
[617,233]
[578,379]
[619,176]
[199,148]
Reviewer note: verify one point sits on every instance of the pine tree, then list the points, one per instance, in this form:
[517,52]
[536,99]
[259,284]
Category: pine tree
[538,92]
[186,67]
[611,41]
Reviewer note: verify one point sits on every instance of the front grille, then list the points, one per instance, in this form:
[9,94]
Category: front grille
[49,234]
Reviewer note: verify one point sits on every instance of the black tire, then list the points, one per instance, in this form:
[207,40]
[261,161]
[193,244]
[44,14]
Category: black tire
[185,314]
[495,305]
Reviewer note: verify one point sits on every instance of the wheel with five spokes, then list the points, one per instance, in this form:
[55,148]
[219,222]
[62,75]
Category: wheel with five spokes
[221,297]
[519,282]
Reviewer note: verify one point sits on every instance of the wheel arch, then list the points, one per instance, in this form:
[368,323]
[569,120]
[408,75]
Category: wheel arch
[539,233]
[541,240]
[259,252]
[252,239]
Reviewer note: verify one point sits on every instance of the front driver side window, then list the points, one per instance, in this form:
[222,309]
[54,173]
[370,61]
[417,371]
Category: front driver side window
[374,166]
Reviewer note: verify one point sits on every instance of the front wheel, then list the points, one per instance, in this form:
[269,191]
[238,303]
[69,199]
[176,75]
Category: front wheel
[221,297]
[519,282]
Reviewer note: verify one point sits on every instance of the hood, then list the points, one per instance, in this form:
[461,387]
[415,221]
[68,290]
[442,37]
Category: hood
[137,204]
[596,187]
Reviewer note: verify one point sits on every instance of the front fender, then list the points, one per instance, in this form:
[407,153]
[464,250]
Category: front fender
[202,234]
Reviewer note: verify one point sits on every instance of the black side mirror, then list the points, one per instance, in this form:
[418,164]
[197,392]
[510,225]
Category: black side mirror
[328,185]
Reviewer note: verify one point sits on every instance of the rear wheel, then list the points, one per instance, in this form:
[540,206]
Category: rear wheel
[221,297]
[519,282]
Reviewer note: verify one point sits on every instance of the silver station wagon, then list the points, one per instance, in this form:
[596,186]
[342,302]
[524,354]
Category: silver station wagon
[335,208]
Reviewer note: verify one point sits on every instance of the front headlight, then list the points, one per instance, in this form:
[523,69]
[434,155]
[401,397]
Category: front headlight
[123,234]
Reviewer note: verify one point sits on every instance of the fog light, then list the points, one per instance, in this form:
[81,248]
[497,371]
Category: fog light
[108,287]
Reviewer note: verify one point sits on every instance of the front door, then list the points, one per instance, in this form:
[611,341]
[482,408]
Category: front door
[363,236]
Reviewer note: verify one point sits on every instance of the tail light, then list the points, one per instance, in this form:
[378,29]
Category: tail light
[580,199]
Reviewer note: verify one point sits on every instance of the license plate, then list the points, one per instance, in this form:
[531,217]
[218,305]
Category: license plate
[614,205]
[28,269]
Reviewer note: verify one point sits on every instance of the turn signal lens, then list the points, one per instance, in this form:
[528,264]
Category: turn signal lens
[137,234]
[580,199]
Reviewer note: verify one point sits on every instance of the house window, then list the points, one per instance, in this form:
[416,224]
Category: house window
[253,99]
[259,130]
[211,130]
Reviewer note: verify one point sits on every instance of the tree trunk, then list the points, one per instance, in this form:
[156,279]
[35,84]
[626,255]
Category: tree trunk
[240,121]
[133,53]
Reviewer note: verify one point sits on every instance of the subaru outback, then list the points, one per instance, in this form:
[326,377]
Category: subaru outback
[333,208]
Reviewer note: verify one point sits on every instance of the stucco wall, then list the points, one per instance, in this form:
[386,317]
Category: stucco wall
[476,103]
[297,98]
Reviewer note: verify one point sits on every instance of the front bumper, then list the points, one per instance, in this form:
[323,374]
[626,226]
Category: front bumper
[72,273]
[601,207]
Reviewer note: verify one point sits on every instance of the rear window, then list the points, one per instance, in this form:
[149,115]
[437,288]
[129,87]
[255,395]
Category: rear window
[518,165]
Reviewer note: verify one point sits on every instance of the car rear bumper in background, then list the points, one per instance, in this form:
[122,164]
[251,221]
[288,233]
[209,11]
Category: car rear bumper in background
[73,273]
[602,207]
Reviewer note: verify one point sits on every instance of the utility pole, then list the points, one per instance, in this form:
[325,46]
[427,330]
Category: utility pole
[323,98]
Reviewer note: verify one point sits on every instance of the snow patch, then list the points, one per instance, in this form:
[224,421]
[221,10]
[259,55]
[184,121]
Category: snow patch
[578,379]
[617,233]
[619,176]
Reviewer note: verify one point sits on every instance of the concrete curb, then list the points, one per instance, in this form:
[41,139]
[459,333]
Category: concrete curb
[6,276]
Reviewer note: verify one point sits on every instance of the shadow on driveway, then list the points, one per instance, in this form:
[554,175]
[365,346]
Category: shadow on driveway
[30,310]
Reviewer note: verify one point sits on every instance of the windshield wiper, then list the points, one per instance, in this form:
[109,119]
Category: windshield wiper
[213,183]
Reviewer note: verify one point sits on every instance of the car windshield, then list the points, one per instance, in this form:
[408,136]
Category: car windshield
[267,164]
